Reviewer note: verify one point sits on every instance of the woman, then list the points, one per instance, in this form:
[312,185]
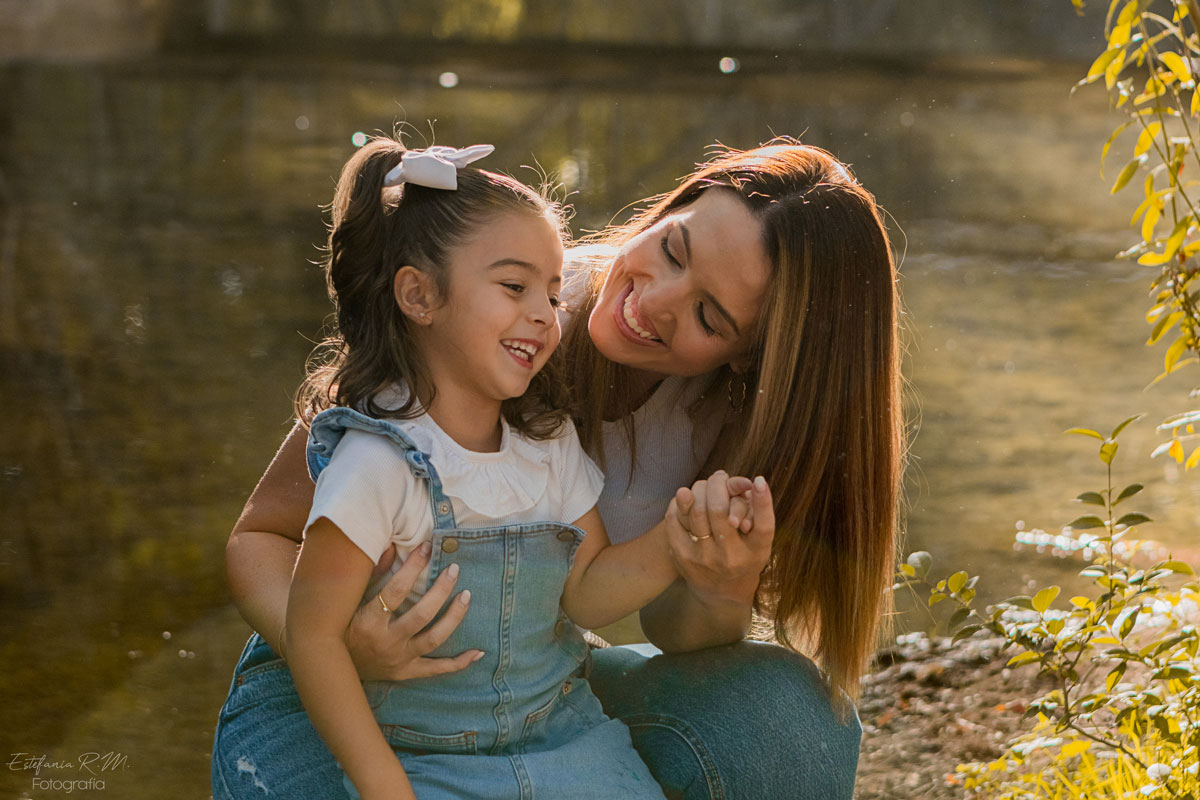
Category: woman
[746,320]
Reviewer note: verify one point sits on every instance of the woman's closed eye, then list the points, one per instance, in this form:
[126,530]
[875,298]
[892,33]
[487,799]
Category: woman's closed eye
[666,248]
[708,329]
[515,288]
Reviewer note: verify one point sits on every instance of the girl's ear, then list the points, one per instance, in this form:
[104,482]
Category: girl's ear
[415,294]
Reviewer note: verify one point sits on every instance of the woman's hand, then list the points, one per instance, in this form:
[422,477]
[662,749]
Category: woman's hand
[384,646]
[720,533]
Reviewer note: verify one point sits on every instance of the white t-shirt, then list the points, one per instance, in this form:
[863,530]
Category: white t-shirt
[369,491]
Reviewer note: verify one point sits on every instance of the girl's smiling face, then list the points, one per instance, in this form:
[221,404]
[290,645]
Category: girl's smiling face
[683,296]
[497,325]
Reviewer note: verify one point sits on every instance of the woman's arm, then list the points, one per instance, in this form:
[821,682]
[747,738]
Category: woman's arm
[264,543]
[331,575]
[261,555]
[713,600]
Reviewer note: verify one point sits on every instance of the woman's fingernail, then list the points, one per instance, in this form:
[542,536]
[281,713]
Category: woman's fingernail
[452,571]
[426,549]
[478,655]
[465,597]
[760,483]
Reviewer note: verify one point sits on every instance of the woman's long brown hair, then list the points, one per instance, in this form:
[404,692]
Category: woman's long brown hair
[822,419]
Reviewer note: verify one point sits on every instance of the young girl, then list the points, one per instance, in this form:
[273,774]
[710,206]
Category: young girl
[439,429]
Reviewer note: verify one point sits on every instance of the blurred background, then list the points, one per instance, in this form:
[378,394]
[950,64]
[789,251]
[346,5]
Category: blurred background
[162,168]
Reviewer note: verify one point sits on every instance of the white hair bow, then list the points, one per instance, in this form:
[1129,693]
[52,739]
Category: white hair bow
[436,167]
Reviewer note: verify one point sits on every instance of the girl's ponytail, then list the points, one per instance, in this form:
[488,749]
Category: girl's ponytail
[373,232]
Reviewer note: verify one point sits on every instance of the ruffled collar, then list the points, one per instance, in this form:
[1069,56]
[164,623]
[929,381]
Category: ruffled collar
[501,484]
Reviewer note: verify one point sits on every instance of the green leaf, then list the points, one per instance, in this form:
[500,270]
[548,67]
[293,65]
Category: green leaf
[1117,430]
[1127,173]
[958,618]
[1108,451]
[1133,519]
[1178,567]
[966,631]
[1086,523]
[1128,491]
[1173,671]
[1043,599]
[1086,432]
[957,581]
[1091,498]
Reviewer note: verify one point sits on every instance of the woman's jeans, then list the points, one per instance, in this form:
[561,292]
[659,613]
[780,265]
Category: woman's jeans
[746,720]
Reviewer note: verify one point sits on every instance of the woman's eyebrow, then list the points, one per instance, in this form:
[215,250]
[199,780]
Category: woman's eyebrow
[724,312]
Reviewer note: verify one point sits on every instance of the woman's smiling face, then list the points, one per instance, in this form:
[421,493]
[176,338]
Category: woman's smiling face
[683,296]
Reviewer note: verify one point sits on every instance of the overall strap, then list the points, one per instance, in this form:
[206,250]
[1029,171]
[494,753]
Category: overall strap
[330,426]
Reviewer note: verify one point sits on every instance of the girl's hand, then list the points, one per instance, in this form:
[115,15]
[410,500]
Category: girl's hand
[720,533]
[388,647]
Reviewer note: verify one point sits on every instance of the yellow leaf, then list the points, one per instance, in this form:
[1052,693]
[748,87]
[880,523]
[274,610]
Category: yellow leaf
[1150,221]
[1075,748]
[1102,62]
[1176,350]
[1114,70]
[1147,138]
[1120,35]
[1196,102]
[1126,174]
[1176,451]
[1173,62]
[1193,459]
[1128,13]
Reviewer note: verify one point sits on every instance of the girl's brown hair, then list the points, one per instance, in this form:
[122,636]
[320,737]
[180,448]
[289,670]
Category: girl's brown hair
[373,232]
[822,416]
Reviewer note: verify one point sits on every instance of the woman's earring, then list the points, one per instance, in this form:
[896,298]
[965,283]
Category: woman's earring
[737,396]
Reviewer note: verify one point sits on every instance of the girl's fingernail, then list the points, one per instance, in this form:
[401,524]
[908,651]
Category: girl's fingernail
[760,483]
[465,597]
[426,548]
[478,655]
[453,571]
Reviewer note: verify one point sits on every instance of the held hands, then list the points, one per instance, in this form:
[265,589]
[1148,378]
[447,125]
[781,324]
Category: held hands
[384,646]
[720,533]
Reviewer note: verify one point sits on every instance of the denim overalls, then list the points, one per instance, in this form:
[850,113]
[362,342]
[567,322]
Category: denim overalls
[521,722]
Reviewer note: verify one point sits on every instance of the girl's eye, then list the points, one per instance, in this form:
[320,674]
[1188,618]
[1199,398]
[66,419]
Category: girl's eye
[708,329]
[513,287]
[555,302]
[666,248]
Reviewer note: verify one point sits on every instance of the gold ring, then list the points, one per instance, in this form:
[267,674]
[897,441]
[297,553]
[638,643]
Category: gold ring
[698,538]
[385,605]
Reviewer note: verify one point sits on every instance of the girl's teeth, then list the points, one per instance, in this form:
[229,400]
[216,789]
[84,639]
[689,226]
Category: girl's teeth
[631,320]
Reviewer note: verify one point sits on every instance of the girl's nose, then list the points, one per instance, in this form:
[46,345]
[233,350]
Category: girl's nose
[541,312]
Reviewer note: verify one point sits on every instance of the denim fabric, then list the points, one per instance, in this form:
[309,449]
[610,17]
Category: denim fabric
[743,721]
[747,720]
[521,723]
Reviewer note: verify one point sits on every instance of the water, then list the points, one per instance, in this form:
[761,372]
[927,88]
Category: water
[157,300]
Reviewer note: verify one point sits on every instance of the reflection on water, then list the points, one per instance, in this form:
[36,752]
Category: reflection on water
[157,299]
